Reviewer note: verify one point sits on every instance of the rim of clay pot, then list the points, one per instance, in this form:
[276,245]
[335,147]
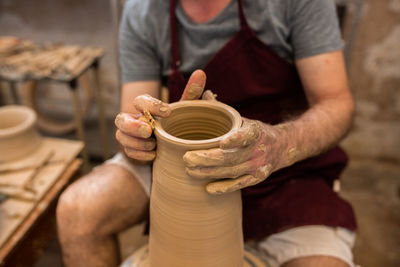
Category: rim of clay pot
[28,120]
[233,115]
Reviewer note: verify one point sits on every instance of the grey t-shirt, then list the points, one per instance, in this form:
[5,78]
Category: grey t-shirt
[294,29]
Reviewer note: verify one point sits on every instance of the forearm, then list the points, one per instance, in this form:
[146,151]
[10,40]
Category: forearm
[318,129]
[250,154]
[133,89]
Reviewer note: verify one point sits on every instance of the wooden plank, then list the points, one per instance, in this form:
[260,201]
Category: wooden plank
[14,211]
[38,229]
[21,60]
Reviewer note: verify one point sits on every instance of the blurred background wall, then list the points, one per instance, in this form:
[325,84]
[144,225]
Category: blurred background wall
[372,181]
[75,22]
[375,82]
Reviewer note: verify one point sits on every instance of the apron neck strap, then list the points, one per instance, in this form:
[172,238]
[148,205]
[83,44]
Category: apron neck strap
[175,60]
[242,17]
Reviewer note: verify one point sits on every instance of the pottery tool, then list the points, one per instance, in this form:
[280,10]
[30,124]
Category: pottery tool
[148,118]
[28,185]
[6,168]
[18,196]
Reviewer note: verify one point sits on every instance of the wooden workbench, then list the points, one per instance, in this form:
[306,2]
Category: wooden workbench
[26,227]
[22,61]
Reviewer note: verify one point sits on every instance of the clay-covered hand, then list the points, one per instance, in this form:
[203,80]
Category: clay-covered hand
[134,132]
[244,158]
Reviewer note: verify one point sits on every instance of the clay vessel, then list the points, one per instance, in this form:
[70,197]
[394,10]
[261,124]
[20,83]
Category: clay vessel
[18,135]
[188,226]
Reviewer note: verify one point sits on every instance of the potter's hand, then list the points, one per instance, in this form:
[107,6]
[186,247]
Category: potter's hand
[134,132]
[246,157]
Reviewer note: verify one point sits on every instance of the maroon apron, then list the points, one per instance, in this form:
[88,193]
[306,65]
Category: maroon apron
[249,76]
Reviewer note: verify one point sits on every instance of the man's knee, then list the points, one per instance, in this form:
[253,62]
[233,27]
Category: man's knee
[101,203]
[77,213]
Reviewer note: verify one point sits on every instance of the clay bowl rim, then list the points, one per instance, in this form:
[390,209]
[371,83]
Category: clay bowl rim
[26,124]
[234,115]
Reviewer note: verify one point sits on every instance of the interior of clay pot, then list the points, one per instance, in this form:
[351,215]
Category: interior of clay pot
[18,135]
[197,123]
[14,119]
[11,120]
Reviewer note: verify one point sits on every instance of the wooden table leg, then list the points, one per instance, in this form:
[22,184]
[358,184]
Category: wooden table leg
[14,93]
[101,115]
[80,130]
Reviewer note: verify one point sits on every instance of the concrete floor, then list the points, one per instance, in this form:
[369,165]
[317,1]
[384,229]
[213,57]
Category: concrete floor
[373,189]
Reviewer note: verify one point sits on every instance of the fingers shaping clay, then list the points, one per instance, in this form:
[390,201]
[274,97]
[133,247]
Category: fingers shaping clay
[188,226]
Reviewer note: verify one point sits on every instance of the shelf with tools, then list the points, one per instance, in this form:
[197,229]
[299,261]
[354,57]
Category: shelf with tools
[27,63]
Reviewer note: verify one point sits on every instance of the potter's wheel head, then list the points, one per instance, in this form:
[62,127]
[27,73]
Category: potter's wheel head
[141,258]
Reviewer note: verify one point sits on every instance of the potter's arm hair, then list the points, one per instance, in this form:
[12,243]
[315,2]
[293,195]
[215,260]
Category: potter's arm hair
[131,90]
[331,110]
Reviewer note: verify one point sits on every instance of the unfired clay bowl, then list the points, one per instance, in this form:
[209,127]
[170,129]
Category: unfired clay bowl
[18,135]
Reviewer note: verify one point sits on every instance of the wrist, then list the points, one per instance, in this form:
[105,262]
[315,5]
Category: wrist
[285,150]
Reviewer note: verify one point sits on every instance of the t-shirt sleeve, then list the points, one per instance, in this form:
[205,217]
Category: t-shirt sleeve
[314,27]
[137,56]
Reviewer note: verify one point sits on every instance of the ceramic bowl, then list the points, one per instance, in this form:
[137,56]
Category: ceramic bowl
[18,134]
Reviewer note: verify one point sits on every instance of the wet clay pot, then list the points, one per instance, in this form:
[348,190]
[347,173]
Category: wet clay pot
[18,134]
[188,226]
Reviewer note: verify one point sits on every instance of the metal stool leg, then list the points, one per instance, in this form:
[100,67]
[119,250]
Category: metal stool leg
[101,115]
[79,123]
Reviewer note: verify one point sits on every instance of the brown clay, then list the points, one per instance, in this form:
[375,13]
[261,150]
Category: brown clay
[18,135]
[190,227]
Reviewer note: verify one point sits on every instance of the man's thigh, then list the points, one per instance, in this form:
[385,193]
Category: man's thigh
[107,200]
[314,244]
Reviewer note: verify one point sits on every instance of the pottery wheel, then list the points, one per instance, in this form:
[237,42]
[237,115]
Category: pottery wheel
[141,259]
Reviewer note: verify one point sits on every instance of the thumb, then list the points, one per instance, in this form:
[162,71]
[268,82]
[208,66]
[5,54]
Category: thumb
[195,86]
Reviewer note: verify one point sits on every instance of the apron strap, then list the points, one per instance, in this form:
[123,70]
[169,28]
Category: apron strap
[242,17]
[175,60]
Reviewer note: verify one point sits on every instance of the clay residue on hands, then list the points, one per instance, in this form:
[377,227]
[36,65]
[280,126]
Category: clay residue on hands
[219,172]
[119,120]
[210,157]
[247,134]
[140,155]
[194,91]
[195,86]
[263,171]
[262,148]
[209,95]
[231,185]
[294,155]
[148,118]
[153,105]
[217,157]
[144,131]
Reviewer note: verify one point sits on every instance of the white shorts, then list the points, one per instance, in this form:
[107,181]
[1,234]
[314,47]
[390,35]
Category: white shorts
[279,248]
[141,172]
[310,240]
